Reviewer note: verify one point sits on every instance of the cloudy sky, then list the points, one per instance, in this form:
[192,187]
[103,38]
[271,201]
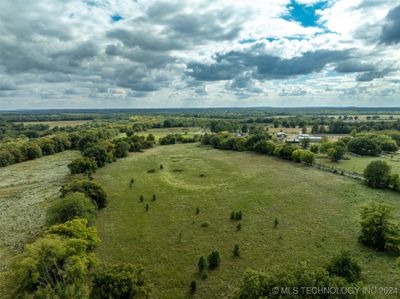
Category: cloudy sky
[199,53]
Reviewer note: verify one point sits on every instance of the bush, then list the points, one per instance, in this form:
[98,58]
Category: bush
[257,285]
[119,281]
[77,228]
[377,229]
[307,157]
[344,265]
[336,153]
[377,174]
[74,205]
[236,250]
[121,149]
[92,190]
[364,146]
[97,153]
[202,264]
[193,286]
[82,165]
[214,260]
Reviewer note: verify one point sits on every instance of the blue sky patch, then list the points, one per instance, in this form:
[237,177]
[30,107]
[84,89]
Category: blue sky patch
[304,14]
[116,18]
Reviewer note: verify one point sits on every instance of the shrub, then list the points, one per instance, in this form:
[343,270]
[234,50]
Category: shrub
[202,264]
[236,250]
[314,148]
[197,211]
[119,281]
[377,174]
[297,155]
[121,149]
[205,224]
[151,170]
[377,229]
[75,205]
[147,208]
[77,228]
[307,157]
[346,266]
[256,284]
[141,198]
[193,286]
[154,197]
[97,153]
[238,227]
[92,190]
[214,260]
[82,165]
[336,153]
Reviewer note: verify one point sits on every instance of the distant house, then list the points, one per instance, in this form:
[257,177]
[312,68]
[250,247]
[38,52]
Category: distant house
[311,138]
[281,135]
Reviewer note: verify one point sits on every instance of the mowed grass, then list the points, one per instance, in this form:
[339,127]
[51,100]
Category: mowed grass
[162,132]
[61,123]
[358,164]
[318,215]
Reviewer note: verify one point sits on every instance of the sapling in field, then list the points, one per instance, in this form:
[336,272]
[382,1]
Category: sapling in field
[214,260]
[276,222]
[193,286]
[197,211]
[201,264]
[147,207]
[236,250]
[141,198]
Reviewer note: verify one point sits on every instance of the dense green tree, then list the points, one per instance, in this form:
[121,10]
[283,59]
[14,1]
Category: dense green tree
[82,165]
[336,153]
[255,285]
[53,268]
[119,281]
[74,205]
[377,174]
[377,229]
[121,149]
[364,146]
[32,151]
[97,153]
[91,189]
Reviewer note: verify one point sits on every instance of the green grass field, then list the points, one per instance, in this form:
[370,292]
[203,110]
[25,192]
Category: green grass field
[61,123]
[159,133]
[318,215]
[358,164]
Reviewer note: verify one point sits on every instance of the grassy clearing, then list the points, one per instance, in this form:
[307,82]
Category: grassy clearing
[61,123]
[159,133]
[358,164]
[25,189]
[318,214]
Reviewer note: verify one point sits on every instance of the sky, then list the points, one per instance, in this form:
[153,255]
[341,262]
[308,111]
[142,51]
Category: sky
[199,53]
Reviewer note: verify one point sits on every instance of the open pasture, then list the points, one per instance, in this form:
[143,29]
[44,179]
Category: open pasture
[318,215]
